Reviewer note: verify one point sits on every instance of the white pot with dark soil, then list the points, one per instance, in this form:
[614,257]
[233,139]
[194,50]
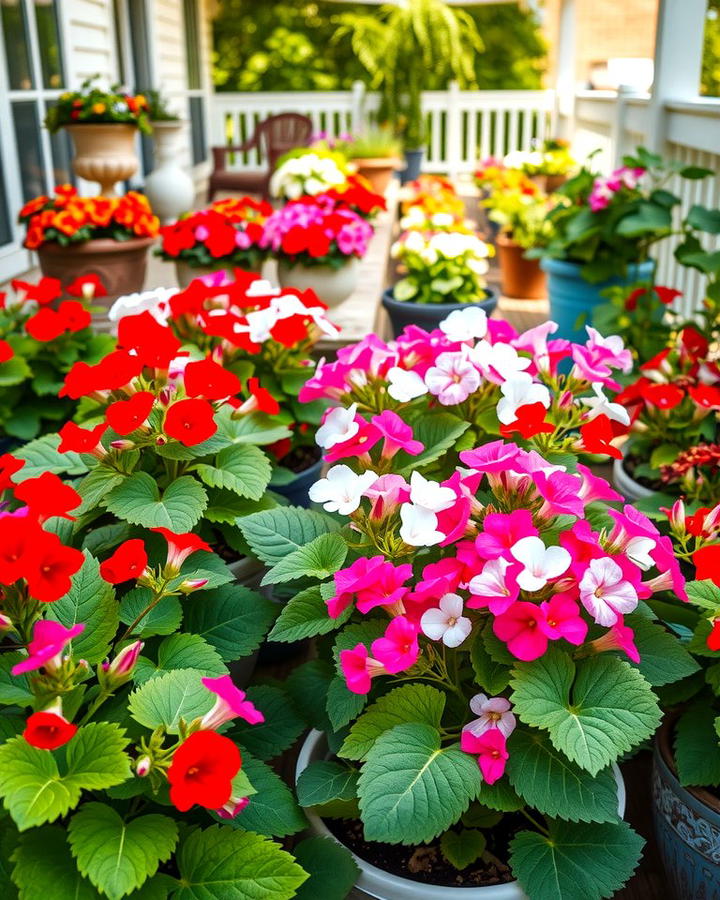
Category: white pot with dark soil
[631,489]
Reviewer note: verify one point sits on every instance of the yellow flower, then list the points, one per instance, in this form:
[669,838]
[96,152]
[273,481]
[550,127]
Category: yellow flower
[98,108]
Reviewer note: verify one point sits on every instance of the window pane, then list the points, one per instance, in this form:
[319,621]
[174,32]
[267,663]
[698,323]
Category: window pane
[17,45]
[5,229]
[29,149]
[140,45]
[197,124]
[61,156]
[49,40]
[192,44]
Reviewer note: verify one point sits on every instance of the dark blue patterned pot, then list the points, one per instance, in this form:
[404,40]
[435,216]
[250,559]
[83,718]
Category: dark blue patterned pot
[428,315]
[687,828]
[296,491]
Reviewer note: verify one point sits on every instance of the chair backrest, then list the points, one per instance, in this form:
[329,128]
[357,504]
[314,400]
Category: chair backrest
[283,133]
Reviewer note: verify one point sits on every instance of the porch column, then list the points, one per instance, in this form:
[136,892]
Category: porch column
[565,81]
[678,61]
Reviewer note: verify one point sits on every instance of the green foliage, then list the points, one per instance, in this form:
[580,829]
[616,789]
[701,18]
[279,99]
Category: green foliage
[324,781]
[44,867]
[460,848]
[241,468]
[164,618]
[321,558]
[274,533]
[231,618]
[306,615]
[138,500]
[663,659]
[591,861]
[282,726]
[411,789]
[697,753]
[331,867]
[169,698]
[273,810]
[180,651]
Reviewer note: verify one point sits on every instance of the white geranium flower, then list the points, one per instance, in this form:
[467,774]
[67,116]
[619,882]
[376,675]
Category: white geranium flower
[446,623]
[155,302]
[419,526]
[601,406]
[465,324]
[520,391]
[429,494]
[341,490]
[404,385]
[339,426]
[540,563]
[604,592]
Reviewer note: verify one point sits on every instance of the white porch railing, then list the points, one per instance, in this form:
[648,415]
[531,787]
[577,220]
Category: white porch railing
[463,126]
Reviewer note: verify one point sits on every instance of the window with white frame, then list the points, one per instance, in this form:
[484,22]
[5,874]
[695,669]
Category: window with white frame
[196,92]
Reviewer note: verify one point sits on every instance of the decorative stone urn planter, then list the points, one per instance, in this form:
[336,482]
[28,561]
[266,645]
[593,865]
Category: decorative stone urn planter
[120,265]
[378,171]
[168,187]
[382,885]
[104,153]
[428,315]
[331,285]
[520,277]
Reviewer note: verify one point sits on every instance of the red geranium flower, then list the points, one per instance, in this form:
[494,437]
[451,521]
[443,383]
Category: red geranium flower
[190,421]
[596,437]
[9,465]
[110,374]
[221,240]
[44,292]
[46,325]
[705,395]
[666,295]
[656,362]
[202,770]
[74,315]
[318,243]
[529,422]
[127,562]
[87,286]
[209,380]
[154,344]
[295,241]
[47,496]
[177,237]
[694,523]
[693,343]
[664,396]
[707,563]
[17,537]
[80,440]
[48,730]
[180,546]
[51,566]
[6,351]
[125,416]
[264,400]
[290,331]
[713,639]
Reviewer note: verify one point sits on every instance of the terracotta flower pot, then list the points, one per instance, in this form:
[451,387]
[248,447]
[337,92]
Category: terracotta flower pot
[378,171]
[104,153]
[549,183]
[520,277]
[120,265]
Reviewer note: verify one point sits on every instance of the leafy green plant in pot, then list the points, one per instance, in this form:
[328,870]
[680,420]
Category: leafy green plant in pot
[376,155]
[602,230]
[124,769]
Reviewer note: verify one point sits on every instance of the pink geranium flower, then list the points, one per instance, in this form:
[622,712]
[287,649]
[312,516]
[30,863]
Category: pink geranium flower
[494,457]
[495,587]
[501,531]
[595,488]
[519,627]
[560,491]
[619,637]
[46,647]
[491,751]
[359,669]
[386,494]
[398,650]
[364,439]
[452,379]
[493,712]
[605,593]
[396,435]
[563,620]
[231,702]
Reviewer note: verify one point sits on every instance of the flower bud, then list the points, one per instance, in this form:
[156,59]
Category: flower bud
[124,663]
[192,584]
[143,766]
[122,445]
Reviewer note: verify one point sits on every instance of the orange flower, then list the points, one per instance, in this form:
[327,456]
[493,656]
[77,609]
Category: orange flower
[33,206]
[44,220]
[35,237]
[66,223]
[100,210]
[98,108]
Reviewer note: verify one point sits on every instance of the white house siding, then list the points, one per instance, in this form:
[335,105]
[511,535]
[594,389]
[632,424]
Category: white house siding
[89,33]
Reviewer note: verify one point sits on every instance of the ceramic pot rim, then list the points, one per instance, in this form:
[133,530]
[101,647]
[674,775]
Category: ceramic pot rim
[390,302]
[96,245]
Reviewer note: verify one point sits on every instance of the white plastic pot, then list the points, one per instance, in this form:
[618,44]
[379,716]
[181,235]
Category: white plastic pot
[331,285]
[630,489]
[381,885]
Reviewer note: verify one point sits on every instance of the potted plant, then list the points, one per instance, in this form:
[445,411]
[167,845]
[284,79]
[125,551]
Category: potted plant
[549,163]
[602,230]
[520,210]
[469,640]
[223,236]
[686,773]
[306,172]
[103,125]
[675,409]
[440,273]
[127,766]
[376,155]
[318,247]
[41,337]
[105,237]
[168,187]
[355,194]
[491,176]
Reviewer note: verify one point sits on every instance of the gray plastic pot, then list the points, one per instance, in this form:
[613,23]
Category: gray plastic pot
[374,882]
[428,315]
[630,489]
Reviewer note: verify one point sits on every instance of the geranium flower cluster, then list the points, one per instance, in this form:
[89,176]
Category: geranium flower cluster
[432,194]
[314,234]
[229,230]
[549,157]
[355,194]
[66,218]
[307,172]
[491,379]
[695,473]
[605,188]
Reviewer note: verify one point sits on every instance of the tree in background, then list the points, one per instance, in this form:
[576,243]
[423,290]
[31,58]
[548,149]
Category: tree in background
[290,46]
[710,79]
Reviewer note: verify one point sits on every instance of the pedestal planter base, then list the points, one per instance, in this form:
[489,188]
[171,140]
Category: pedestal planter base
[521,278]
[331,285]
[104,153]
[120,265]
[428,315]
[413,164]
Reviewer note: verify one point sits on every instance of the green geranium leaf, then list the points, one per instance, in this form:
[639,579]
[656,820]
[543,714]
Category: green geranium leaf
[242,468]
[273,810]
[438,433]
[321,558]
[169,698]
[591,861]
[32,786]
[697,752]
[90,600]
[409,703]
[220,863]
[274,533]
[308,686]
[281,728]
[231,618]
[343,705]
[14,371]
[118,856]
[490,675]
[42,455]
[411,789]
[663,659]
[181,651]
[549,782]
[44,867]
[14,689]
[256,428]
[95,486]
[332,869]
[594,713]
[207,566]
[460,848]
[164,618]
[324,781]
[704,593]
[306,615]
[138,501]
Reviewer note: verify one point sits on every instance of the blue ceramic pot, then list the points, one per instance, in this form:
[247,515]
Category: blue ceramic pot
[413,163]
[296,491]
[571,296]
[428,315]
[686,827]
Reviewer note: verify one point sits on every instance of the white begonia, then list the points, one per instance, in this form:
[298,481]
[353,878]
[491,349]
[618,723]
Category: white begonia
[429,494]
[465,324]
[501,357]
[604,592]
[339,426]
[601,406]
[519,391]
[404,385]
[155,302]
[341,490]
[446,622]
[419,526]
[540,563]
